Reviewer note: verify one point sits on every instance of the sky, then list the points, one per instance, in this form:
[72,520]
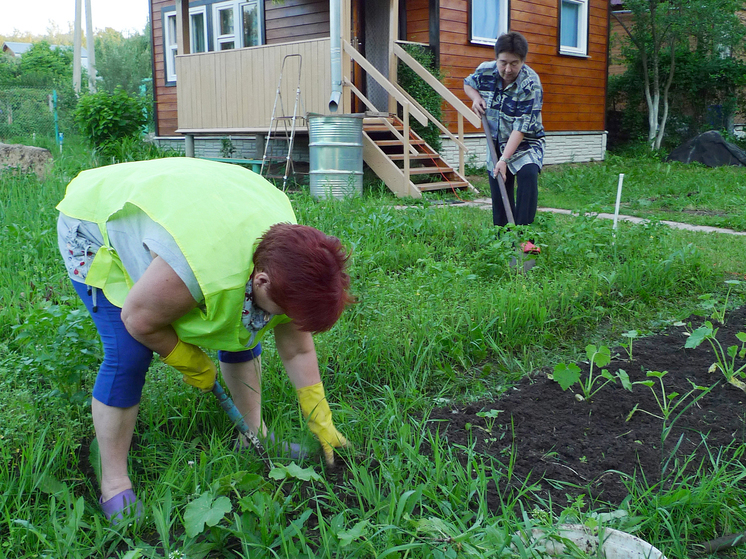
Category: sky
[35,15]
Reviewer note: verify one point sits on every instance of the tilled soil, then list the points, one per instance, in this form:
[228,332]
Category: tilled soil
[565,447]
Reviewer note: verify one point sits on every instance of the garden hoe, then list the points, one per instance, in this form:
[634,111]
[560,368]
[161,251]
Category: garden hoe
[230,408]
[527,263]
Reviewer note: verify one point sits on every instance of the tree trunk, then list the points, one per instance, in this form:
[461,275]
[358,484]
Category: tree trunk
[672,69]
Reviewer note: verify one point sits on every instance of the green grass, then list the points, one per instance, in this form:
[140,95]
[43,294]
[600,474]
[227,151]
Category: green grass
[651,189]
[440,315]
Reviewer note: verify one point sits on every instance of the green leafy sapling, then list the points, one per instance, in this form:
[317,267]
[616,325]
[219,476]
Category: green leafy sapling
[490,417]
[726,357]
[711,303]
[631,335]
[567,375]
[667,402]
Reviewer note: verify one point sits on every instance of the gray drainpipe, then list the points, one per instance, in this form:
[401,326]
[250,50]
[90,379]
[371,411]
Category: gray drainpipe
[335,34]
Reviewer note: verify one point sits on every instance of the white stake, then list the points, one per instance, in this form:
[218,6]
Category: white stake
[618,199]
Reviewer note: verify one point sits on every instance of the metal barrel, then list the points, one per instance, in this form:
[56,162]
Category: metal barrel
[336,155]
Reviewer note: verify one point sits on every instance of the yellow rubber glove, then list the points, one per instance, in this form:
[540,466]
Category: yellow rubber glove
[316,410]
[197,368]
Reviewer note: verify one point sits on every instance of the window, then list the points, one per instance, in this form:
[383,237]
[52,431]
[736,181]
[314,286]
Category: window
[574,27]
[198,29]
[238,24]
[489,20]
[169,34]
[197,34]
[252,31]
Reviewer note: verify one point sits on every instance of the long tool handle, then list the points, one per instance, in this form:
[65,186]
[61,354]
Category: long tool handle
[500,181]
[230,408]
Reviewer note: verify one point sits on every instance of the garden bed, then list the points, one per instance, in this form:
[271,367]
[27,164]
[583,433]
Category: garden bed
[565,448]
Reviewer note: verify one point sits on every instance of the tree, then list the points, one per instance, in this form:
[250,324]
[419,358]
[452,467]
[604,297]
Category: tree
[709,28]
[43,65]
[123,61]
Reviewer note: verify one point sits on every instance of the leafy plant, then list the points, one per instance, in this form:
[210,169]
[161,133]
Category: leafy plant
[227,148]
[490,417]
[726,357]
[567,375]
[667,403]
[631,335]
[105,117]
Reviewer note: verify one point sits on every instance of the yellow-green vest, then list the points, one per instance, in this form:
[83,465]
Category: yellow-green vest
[215,213]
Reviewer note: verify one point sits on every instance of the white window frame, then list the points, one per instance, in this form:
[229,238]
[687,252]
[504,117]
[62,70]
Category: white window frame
[260,11]
[170,45]
[219,39]
[503,16]
[237,36]
[192,12]
[582,48]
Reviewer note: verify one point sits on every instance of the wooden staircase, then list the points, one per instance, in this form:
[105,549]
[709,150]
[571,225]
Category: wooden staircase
[383,151]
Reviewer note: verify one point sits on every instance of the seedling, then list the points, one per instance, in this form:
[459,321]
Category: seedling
[708,302]
[489,418]
[567,375]
[667,403]
[631,335]
[726,358]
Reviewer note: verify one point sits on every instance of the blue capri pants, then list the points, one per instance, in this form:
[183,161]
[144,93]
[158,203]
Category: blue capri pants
[126,361]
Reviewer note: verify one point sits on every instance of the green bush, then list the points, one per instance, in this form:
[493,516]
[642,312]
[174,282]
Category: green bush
[105,117]
[422,92]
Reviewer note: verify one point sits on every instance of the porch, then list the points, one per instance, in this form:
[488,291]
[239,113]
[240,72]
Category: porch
[256,90]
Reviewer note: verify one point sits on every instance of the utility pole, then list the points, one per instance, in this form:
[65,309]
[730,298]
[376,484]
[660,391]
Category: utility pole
[77,46]
[90,41]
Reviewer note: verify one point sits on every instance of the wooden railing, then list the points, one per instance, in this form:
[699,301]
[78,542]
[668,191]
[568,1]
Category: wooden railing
[463,111]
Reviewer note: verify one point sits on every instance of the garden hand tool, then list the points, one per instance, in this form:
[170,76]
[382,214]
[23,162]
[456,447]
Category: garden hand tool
[230,408]
[527,264]
[197,368]
[316,411]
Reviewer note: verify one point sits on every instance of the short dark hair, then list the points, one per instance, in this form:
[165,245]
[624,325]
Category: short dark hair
[512,42]
[307,272]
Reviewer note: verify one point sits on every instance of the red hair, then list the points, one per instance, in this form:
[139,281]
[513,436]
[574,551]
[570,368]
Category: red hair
[307,274]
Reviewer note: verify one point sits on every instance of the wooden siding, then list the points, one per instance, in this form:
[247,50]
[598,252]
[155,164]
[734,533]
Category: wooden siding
[617,39]
[235,90]
[164,95]
[418,21]
[574,87]
[296,20]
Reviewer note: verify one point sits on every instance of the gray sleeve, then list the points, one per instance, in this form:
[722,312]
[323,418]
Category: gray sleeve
[134,235]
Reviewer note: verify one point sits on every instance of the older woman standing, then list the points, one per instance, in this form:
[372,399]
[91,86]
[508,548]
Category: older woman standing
[509,92]
[173,254]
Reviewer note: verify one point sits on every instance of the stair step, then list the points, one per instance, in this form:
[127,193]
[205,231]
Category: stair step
[418,157]
[426,186]
[429,170]
[382,128]
[398,142]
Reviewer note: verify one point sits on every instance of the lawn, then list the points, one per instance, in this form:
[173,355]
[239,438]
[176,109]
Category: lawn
[442,324]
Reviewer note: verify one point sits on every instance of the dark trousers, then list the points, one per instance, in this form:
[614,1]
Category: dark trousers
[524,205]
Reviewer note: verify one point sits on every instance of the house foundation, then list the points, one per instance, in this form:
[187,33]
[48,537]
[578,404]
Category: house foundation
[561,147]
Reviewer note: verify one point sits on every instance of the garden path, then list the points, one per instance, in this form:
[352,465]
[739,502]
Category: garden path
[486,203]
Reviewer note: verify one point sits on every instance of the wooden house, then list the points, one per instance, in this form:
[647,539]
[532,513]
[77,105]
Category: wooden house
[220,68]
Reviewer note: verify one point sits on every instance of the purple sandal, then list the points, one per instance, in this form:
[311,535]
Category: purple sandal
[121,506]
